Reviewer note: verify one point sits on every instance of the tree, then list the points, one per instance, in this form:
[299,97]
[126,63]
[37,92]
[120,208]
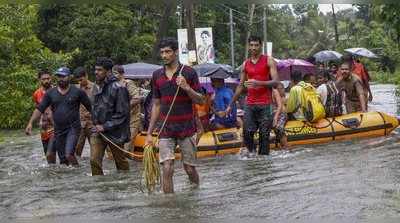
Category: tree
[53,21]
[126,33]
[22,55]
[390,14]
[363,12]
[163,26]
[335,24]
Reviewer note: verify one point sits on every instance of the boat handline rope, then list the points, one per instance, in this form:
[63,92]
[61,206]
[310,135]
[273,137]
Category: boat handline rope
[330,124]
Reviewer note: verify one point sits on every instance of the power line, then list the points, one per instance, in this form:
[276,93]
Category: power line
[258,19]
[234,10]
[235,16]
[208,22]
[238,18]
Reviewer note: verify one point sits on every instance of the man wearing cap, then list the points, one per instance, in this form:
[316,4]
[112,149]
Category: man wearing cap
[64,101]
[86,85]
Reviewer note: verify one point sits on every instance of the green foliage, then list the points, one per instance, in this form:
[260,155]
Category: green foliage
[22,53]
[390,14]
[15,98]
[117,31]
[386,77]
[368,28]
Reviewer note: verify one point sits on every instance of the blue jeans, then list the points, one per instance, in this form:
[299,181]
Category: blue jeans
[257,117]
[50,150]
[66,141]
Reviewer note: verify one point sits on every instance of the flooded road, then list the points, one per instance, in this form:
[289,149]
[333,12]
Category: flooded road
[355,179]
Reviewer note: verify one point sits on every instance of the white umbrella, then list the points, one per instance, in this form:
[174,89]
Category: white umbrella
[361,52]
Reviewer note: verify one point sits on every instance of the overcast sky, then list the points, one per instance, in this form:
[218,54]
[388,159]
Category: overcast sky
[328,8]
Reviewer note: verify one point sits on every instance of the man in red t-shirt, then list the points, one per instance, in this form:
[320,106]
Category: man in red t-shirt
[258,75]
[46,120]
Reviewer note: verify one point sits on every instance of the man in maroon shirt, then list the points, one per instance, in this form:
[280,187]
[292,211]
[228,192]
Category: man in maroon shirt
[180,126]
[258,75]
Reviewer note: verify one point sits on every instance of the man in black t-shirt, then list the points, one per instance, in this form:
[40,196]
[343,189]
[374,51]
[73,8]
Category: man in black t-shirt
[64,101]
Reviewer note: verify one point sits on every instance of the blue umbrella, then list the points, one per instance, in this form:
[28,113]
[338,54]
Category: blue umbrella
[361,52]
[327,55]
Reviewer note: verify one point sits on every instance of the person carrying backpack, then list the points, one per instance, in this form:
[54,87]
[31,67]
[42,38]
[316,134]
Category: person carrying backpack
[330,95]
[304,102]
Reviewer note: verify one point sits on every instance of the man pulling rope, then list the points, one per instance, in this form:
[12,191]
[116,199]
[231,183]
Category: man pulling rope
[179,123]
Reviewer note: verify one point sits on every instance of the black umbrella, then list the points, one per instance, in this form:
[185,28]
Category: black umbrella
[208,69]
[140,70]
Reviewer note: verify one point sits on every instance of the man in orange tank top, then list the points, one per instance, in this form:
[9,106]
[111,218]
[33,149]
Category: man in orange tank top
[258,75]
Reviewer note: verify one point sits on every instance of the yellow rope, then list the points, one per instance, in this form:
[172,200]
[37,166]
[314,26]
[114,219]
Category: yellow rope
[151,168]
[129,154]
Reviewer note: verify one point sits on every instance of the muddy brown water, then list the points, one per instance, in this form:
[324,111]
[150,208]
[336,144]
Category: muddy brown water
[356,179]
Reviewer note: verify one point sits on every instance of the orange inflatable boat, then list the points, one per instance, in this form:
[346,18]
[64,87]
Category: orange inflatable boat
[345,127]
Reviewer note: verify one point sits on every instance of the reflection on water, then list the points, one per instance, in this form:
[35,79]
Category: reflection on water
[385,99]
[357,179]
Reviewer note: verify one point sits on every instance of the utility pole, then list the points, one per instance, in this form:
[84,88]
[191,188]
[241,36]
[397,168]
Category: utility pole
[168,7]
[232,40]
[181,11]
[251,14]
[335,24]
[189,20]
[265,29]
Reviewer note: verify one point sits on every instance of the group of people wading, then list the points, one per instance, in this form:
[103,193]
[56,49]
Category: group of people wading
[107,112]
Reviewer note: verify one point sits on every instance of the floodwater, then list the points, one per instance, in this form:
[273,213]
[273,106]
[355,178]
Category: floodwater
[355,179]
